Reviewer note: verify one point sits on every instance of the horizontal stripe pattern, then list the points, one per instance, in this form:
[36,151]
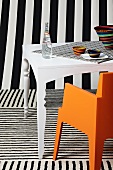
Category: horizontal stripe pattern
[68,20]
[53,165]
[18,136]
[17,143]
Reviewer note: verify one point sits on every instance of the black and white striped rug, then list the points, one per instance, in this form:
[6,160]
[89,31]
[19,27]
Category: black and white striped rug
[14,98]
[18,138]
[52,165]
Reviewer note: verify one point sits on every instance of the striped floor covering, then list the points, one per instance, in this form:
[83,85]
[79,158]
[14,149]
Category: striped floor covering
[14,98]
[18,139]
[52,165]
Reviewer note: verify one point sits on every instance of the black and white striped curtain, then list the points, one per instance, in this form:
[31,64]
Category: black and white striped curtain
[22,22]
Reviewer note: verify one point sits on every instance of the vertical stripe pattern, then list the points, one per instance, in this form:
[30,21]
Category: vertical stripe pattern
[78,24]
[22,22]
[102,12]
[15,81]
[109,12]
[27,30]
[86,36]
[8,65]
[53,165]
[94,19]
[70,29]
[3,35]
[0,10]
[36,33]
[53,20]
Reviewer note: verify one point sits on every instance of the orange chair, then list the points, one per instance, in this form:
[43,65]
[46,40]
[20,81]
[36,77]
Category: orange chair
[90,113]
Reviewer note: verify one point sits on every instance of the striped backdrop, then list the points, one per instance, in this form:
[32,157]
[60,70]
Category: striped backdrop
[22,22]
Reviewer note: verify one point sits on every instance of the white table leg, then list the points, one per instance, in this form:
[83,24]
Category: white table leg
[26,85]
[41,117]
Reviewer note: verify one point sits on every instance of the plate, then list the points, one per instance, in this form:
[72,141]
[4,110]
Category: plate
[87,56]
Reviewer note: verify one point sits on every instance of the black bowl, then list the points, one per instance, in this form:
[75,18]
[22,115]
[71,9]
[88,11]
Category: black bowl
[94,53]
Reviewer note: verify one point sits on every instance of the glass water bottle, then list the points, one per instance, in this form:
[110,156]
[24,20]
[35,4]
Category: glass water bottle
[46,44]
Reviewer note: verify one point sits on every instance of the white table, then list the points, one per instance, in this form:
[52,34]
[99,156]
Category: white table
[46,70]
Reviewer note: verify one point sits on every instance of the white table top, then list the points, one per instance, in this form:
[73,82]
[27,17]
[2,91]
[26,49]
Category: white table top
[56,62]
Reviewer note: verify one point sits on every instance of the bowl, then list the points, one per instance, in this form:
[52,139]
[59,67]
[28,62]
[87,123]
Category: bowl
[94,53]
[105,34]
[104,27]
[78,50]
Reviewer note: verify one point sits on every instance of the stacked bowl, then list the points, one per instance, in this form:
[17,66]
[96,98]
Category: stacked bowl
[78,50]
[105,34]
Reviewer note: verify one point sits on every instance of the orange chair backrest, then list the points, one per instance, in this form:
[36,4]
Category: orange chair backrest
[105,86]
[105,107]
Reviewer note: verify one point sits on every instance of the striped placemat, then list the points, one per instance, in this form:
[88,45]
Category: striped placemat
[66,50]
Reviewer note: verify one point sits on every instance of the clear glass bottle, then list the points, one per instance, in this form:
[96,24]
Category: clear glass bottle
[46,44]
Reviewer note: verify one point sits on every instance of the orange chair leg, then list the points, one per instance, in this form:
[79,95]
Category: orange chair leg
[57,138]
[95,153]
